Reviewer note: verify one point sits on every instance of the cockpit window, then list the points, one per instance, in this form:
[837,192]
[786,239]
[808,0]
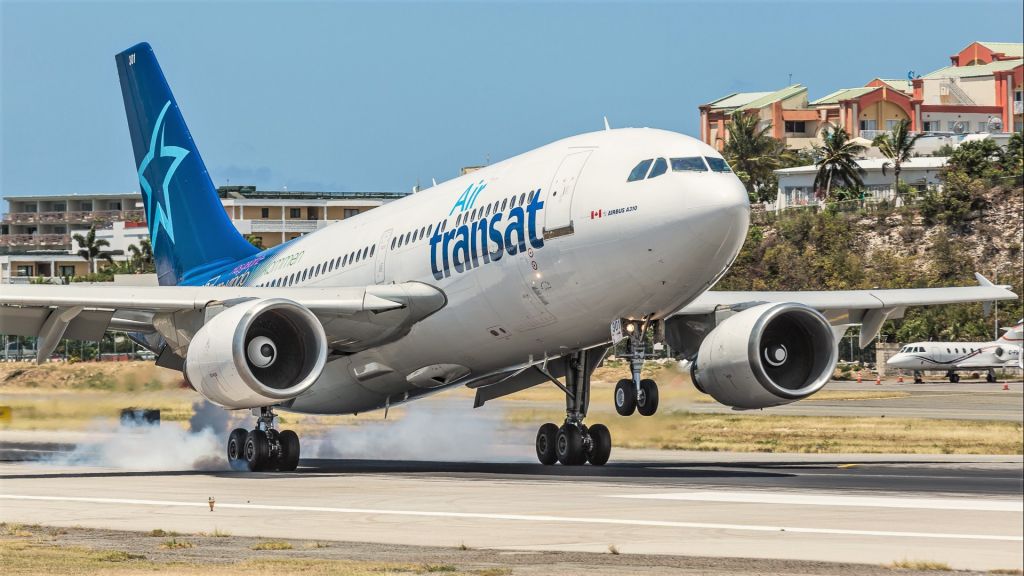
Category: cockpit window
[640,171]
[717,164]
[660,167]
[689,164]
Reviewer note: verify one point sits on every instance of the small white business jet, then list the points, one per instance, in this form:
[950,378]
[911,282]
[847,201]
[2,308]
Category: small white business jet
[522,273]
[953,356]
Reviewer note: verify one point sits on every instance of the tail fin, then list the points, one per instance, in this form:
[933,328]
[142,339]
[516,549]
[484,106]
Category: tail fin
[190,232]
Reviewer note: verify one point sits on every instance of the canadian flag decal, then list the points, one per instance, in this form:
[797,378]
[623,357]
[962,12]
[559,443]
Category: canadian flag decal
[595,214]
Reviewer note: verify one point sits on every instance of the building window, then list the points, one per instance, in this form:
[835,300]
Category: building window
[25,270]
[295,213]
[264,212]
[890,125]
[932,126]
[796,126]
[869,125]
[350,212]
[67,270]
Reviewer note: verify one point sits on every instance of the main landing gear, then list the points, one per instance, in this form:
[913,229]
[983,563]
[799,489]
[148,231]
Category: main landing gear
[636,394]
[574,443]
[918,378]
[991,376]
[953,376]
[263,448]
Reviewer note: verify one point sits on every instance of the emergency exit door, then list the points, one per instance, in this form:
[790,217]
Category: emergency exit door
[558,203]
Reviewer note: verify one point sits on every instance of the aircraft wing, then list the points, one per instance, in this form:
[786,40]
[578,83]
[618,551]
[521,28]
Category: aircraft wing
[870,308]
[354,318]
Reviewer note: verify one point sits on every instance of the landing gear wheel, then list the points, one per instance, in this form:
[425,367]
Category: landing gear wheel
[918,378]
[647,399]
[547,438]
[257,450]
[625,397]
[569,446]
[600,445]
[288,459]
[990,378]
[954,378]
[236,449]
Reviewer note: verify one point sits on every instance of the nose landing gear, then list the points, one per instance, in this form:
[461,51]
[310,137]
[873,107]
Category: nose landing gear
[573,443]
[636,394]
[263,448]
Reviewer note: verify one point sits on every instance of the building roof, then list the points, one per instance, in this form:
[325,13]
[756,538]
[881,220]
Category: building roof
[754,100]
[251,193]
[905,86]
[844,94]
[1011,49]
[772,97]
[875,164]
[971,71]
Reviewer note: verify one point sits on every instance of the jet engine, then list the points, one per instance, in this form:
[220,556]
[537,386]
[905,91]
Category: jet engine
[257,353]
[767,355]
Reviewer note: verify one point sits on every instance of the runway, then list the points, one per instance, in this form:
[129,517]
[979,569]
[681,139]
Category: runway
[965,511]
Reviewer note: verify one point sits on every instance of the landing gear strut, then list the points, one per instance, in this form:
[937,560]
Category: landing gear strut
[918,378]
[263,448]
[573,443]
[636,394]
[991,376]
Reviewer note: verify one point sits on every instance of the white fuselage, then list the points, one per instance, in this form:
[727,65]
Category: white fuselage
[612,249]
[951,356]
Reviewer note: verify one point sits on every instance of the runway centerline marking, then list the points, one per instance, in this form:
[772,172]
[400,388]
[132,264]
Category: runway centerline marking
[523,517]
[936,503]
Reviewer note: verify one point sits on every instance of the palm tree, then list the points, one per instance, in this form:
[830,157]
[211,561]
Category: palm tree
[91,248]
[897,147]
[753,153]
[142,255]
[837,160]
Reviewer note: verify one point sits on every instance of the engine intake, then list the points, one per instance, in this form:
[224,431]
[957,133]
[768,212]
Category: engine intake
[768,355]
[257,353]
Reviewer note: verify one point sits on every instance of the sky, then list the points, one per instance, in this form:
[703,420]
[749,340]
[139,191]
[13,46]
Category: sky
[382,96]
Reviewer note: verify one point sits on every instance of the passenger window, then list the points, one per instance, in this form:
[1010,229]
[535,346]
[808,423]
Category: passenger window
[393,240]
[473,216]
[689,164]
[639,171]
[717,164]
[659,168]
[522,198]
[372,249]
[503,203]
[429,228]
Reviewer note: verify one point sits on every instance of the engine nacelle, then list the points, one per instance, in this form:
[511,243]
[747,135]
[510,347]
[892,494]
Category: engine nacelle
[257,353]
[767,355]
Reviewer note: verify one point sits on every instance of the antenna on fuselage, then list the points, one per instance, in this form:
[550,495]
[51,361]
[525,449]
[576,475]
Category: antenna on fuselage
[434,180]
[606,126]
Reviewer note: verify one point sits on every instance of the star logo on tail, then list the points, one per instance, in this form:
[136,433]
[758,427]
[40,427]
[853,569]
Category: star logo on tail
[158,206]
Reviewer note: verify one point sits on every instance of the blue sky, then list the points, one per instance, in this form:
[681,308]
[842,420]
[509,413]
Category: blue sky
[359,96]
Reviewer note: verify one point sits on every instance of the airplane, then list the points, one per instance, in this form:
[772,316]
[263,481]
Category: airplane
[953,356]
[522,273]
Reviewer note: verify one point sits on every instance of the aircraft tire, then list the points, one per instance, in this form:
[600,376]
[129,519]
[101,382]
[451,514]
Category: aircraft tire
[625,397]
[600,445]
[569,446]
[236,449]
[954,378]
[257,450]
[288,460]
[547,437]
[647,403]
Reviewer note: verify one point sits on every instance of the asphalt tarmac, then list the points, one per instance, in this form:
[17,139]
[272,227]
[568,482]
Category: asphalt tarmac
[966,511]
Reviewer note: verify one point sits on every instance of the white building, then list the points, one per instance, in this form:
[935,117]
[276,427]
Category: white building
[796,185]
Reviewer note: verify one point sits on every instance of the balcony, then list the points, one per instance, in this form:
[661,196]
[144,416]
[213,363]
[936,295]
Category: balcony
[872,134]
[83,217]
[303,226]
[38,241]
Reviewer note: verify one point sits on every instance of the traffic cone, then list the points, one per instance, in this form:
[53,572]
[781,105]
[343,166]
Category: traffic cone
[858,377]
[1006,385]
[878,380]
[899,380]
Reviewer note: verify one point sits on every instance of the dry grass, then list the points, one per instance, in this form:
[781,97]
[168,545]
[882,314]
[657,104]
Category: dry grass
[920,565]
[756,432]
[175,544]
[272,545]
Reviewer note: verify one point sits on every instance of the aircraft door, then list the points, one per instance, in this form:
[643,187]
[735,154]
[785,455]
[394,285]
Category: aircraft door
[380,261]
[558,203]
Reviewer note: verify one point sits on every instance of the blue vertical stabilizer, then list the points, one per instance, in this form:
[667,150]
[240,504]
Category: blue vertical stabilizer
[190,231]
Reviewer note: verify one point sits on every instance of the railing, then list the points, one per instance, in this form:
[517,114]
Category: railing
[284,226]
[958,92]
[80,216]
[872,134]
[30,217]
[49,240]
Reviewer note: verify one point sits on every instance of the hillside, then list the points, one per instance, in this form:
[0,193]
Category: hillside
[933,240]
